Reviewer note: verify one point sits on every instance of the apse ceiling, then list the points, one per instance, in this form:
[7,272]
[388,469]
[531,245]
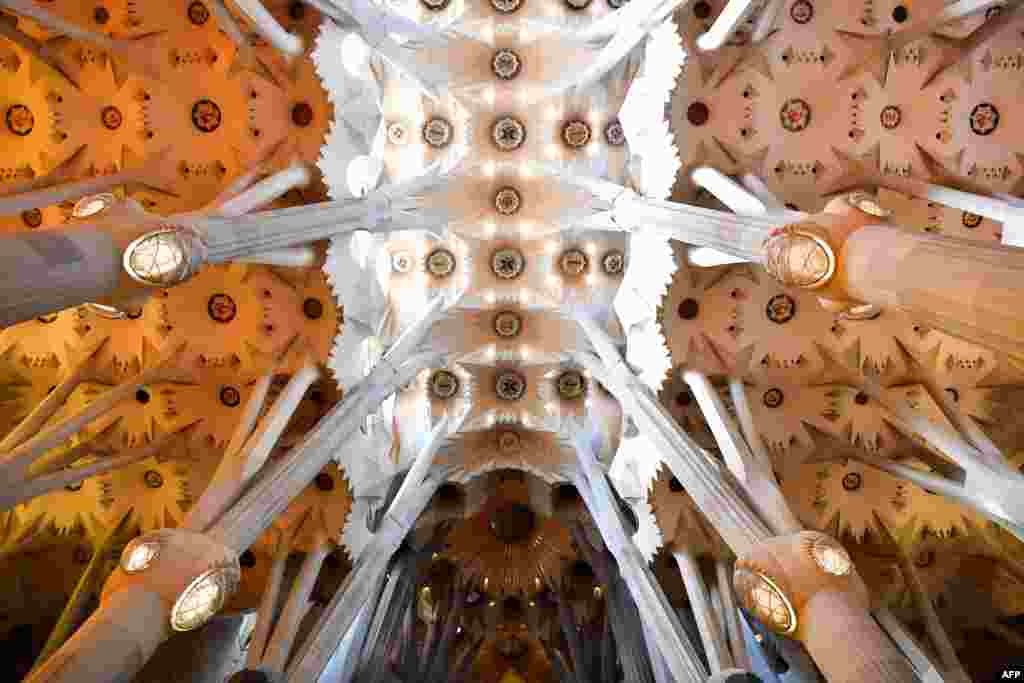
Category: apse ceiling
[185,113]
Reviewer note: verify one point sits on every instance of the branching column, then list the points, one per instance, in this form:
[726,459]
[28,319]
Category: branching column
[753,475]
[289,45]
[680,656]
[631,24]
[169,578]
[805,587]
[706,482]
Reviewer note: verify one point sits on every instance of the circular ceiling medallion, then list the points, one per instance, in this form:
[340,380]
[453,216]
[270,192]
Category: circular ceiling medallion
[444,384]
[33,218]
[508,324]
[613,262]
[577,5]
[513,523]
[510,386]
[435,5]
[506,64]
[153,479]
[891,116]
[440,263]
[801,12]
[198,14]
[506,6]
[984,119]
[508,133]
[396,134]
[302,114]
[230,396]
[573,263]
[760,595]
[571,385]
[509,443]
[852,481]
[222,308]
[614,135]
[576,133]
[795,115]
[437,132]
[324,482]
[698,113]
[507,201]
[401,262]
[111,117]
[830,557]
[773,398]
[206,116]
[20,120]
[313,308]
[781,308]
[970,220]
[507,263]
[688,309]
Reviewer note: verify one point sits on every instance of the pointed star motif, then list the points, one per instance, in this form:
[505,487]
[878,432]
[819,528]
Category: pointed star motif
[854,172]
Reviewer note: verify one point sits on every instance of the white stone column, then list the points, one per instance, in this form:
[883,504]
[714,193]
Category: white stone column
[49,270]
[342,666]
[286,257]
[20,491]
[761,487]
[402,206]
[280,644]
[617,207]
[268,601]
[990,484]
[715,647]
[377,26]
[240,526]
[723,571]
[311,659]
[680,656]
[624,29]
[297,174]
[954,671]
[83,367]
[136,609]
[728,22]
[703,478]
[227,481]
[134,55]
[288,44]
[21,457]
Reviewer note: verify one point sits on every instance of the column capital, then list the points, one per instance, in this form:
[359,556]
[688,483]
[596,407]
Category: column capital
[805,586]
[776,579]
[192,574]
